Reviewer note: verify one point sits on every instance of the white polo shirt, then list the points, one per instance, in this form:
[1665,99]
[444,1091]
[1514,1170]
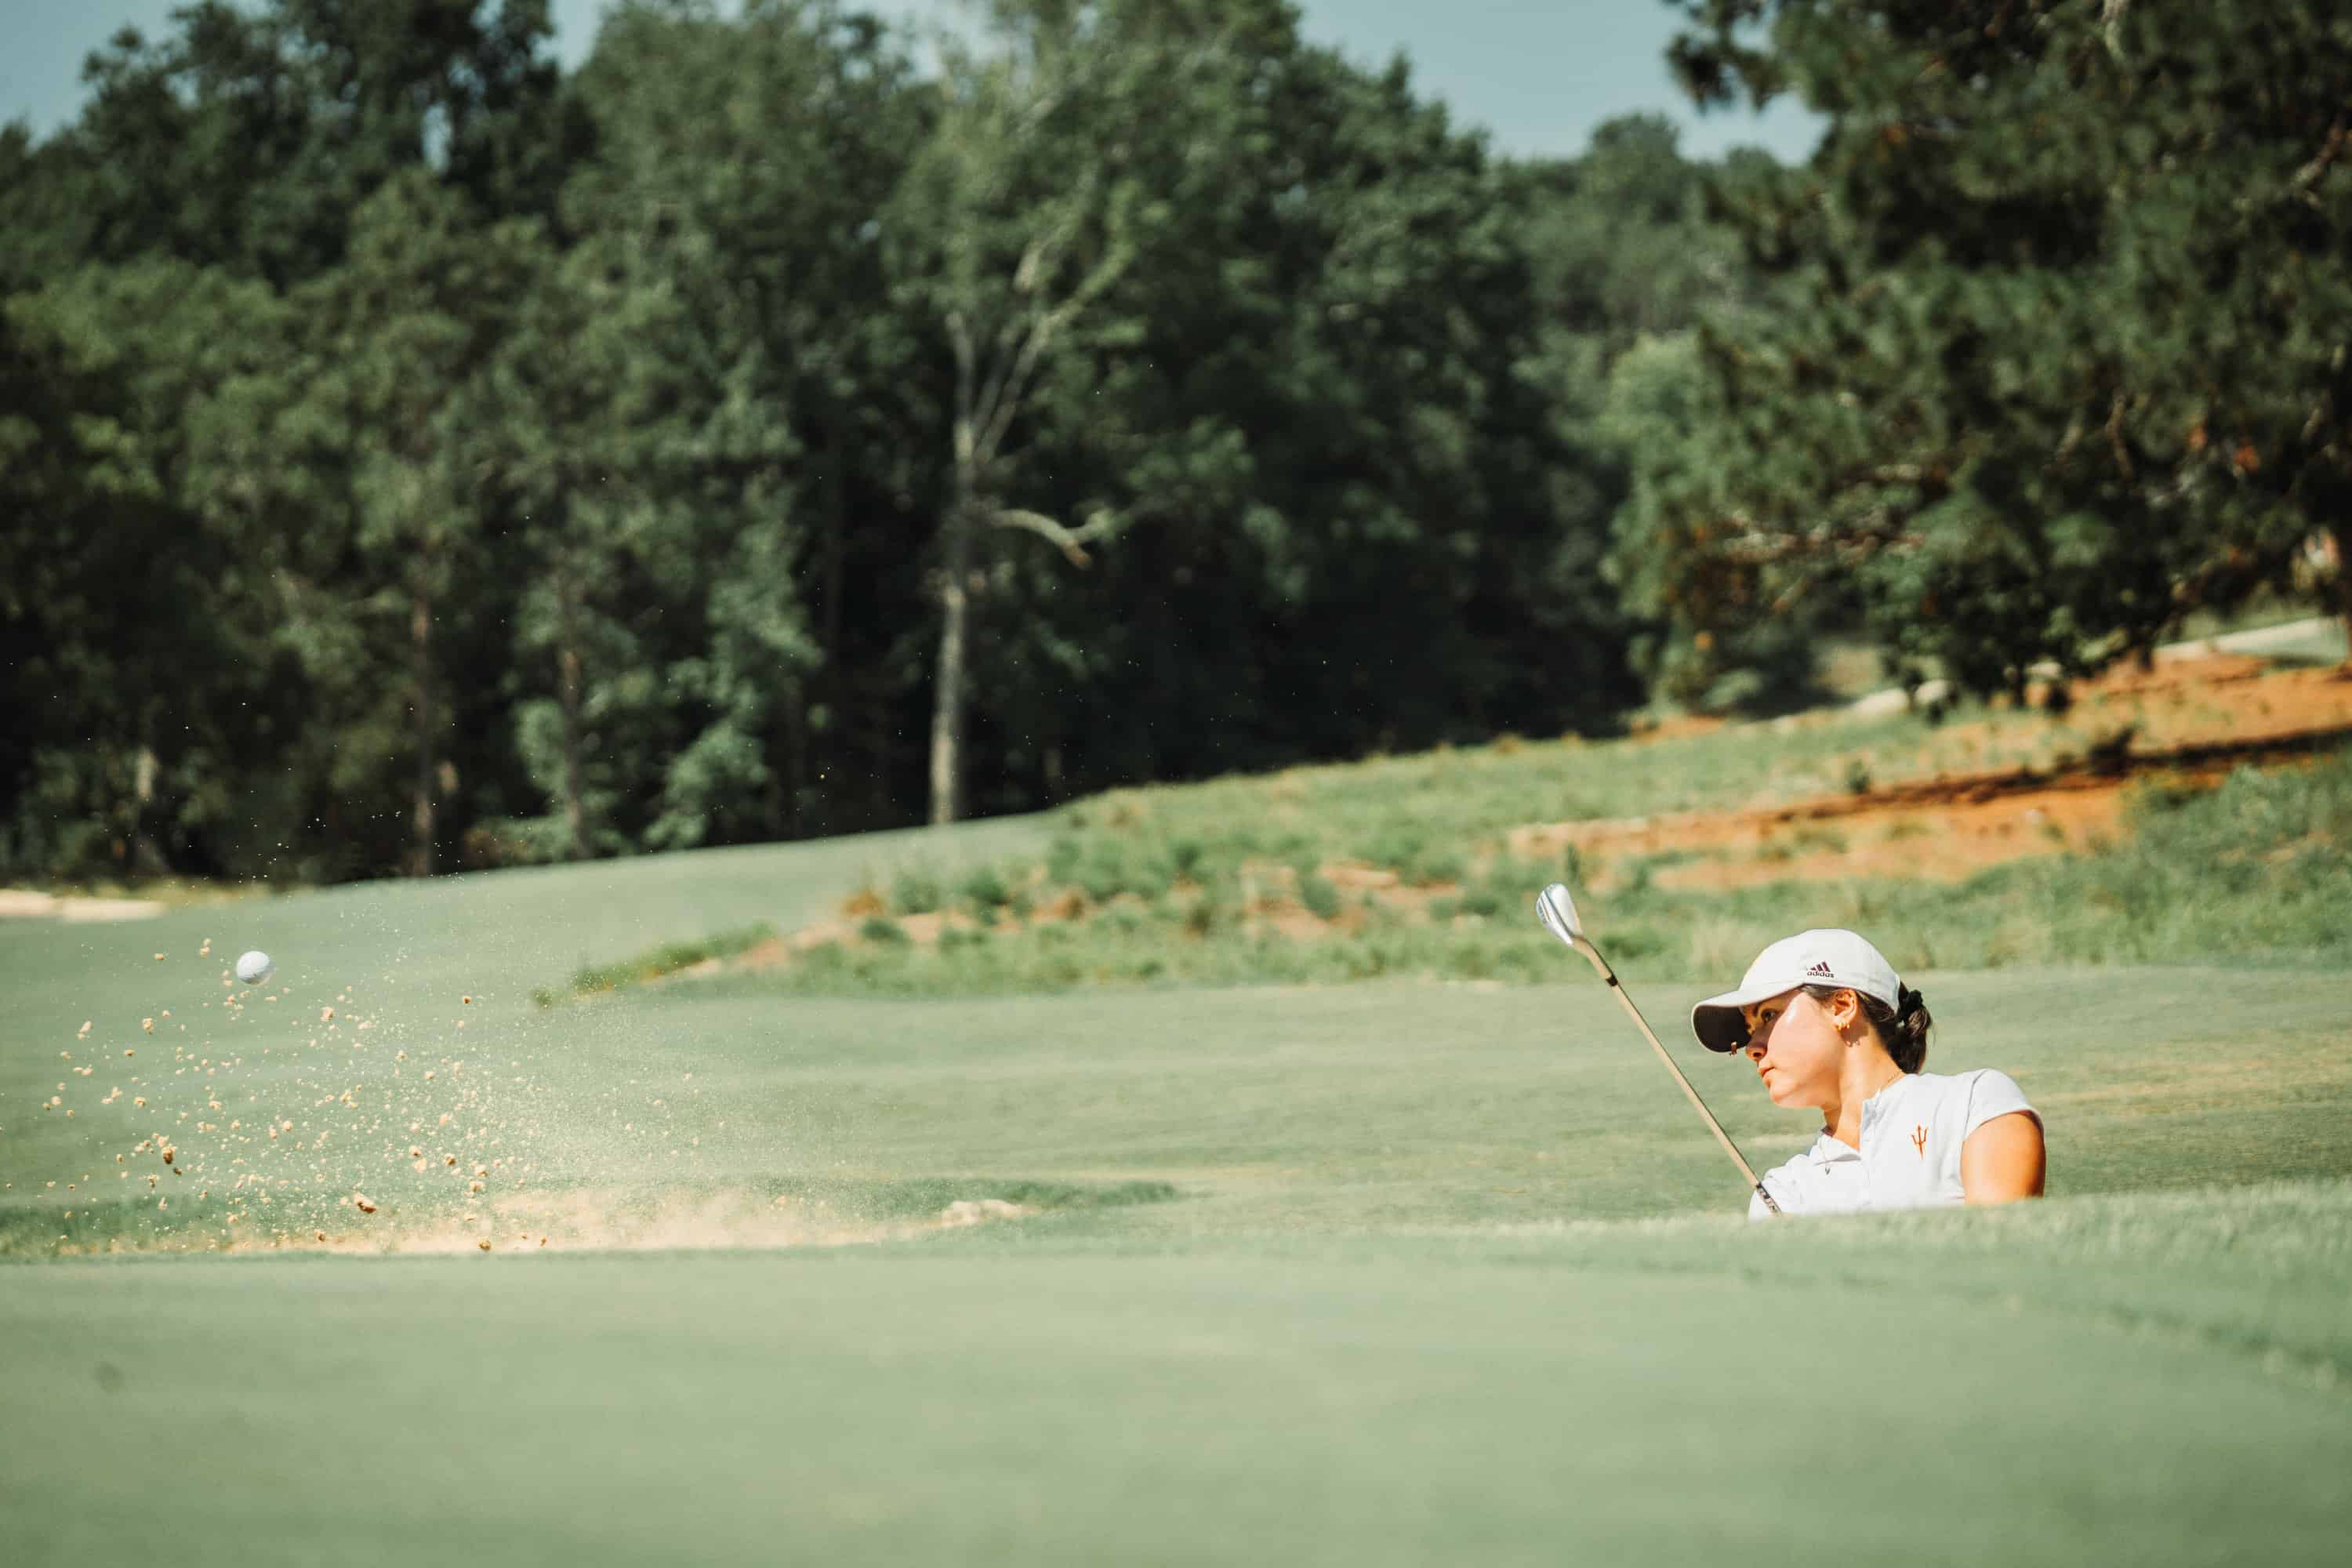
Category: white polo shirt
[1910,1156]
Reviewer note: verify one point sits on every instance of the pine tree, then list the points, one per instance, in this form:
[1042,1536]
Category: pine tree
[2056,348]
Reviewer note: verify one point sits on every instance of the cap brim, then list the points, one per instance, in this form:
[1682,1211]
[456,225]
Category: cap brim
[1717,1022]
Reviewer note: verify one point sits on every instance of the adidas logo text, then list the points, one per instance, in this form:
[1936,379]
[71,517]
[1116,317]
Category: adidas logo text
[1821,969]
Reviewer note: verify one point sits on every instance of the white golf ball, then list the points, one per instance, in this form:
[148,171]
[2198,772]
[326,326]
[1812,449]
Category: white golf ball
[254,967]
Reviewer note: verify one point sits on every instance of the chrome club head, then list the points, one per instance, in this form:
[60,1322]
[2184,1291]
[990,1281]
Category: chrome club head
[1557,910]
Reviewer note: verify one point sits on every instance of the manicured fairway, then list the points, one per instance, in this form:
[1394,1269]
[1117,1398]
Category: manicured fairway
[1449,1272]
[1522,1399]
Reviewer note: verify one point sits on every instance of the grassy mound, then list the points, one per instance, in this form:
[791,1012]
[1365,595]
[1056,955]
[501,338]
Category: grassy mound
[1259,883]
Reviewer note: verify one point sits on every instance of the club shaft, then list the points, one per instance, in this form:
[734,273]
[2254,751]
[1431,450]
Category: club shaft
[1618,990]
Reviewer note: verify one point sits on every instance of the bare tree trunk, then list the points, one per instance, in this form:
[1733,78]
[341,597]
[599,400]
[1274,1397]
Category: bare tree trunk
[837,537]
[948,698]
[420,638]
[575,812]
[2340,536]
[787,789]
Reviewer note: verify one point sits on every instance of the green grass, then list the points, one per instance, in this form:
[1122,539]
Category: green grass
[1379,1273]
[1400,1271]
[1639,1396]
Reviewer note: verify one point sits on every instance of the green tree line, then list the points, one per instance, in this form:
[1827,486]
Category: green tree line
[416,456]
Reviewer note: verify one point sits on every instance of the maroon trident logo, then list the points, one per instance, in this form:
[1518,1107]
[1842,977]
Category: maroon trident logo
[1920,1140]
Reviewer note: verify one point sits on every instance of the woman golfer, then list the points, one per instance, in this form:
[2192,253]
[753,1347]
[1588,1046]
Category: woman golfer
[1831,1028]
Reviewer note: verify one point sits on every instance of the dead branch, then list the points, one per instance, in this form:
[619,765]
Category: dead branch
[1012,383]
[1071,542]
[2310,173]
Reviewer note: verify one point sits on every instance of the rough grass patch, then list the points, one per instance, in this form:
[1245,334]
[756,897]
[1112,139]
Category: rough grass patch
[656,963]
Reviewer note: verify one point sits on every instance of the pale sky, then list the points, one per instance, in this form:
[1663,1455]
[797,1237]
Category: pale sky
[1538,74]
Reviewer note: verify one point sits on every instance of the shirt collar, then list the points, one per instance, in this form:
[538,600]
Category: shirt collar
[1827,1150]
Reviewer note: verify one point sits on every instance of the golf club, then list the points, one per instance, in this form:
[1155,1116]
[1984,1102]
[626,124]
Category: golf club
[1557,910]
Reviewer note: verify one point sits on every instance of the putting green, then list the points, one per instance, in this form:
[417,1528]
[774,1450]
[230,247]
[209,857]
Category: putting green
[1449,1272]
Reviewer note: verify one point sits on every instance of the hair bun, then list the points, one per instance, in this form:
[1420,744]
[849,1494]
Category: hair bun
[1911,1022]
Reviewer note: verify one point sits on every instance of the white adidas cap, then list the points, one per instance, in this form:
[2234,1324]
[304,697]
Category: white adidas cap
[1824,957]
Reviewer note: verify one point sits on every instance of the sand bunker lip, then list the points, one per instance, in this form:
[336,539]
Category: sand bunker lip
[588,1221]
[824,1213]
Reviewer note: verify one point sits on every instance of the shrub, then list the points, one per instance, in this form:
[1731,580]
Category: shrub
[1149,875]
[884,931]
[916,892]
[1321,897]
[1102,872]
[1395,845]
[1481,899]
[1433,865]
[1185,856]
[984,890]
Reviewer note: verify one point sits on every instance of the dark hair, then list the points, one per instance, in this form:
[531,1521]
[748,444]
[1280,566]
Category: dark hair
[1902,1028]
